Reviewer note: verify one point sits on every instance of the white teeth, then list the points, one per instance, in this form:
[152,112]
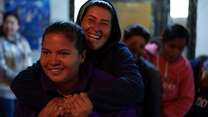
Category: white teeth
[94,36]
[55,70]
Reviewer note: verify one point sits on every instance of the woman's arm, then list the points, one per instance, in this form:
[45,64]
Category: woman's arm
[127,88]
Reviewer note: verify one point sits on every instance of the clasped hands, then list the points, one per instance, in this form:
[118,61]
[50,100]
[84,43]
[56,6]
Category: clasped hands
[76,105]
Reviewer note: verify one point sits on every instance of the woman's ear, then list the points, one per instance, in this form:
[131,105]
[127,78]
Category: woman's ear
[83,55]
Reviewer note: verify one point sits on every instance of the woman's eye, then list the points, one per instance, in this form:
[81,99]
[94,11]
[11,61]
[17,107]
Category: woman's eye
[105,23]
[64,53]
[90,20]
[45,52]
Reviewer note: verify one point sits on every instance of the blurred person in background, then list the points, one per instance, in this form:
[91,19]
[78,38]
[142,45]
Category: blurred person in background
[200,106]
[14,57]
[176,74]
[136,37]
[152,47]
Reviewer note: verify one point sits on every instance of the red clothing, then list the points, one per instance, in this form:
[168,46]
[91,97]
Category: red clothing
[177,86]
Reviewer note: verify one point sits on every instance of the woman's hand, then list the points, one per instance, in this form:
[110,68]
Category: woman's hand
[79,105]
[53,109]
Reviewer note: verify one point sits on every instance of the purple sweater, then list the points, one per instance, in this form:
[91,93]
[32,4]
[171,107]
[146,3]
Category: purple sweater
[90,79]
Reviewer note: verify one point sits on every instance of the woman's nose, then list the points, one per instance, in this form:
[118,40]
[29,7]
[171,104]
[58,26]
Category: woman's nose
[54,60]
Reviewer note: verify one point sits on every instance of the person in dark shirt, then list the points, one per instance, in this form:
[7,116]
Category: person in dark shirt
[64,76]
[99,20]
[136,37]
[200,105]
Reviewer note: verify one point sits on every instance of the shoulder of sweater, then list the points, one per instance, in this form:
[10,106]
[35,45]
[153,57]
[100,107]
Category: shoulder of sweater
[32,72]
[146,64]
[117,45]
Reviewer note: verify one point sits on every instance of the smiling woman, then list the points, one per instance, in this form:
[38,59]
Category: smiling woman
[103,34]
[61,60]
[97,27]
[62,54]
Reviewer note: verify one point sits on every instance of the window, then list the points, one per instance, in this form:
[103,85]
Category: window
[77,5]
[179,8]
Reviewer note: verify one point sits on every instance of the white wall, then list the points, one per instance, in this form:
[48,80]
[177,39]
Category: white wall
[202,28]
[78,4]
[1,4]
[59,10]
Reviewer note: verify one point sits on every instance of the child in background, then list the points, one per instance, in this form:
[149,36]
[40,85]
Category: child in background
[175,71]
[136,37]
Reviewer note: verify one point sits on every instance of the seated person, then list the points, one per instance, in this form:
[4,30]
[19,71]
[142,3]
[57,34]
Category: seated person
[176,75]
[200,106]
[136,37]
